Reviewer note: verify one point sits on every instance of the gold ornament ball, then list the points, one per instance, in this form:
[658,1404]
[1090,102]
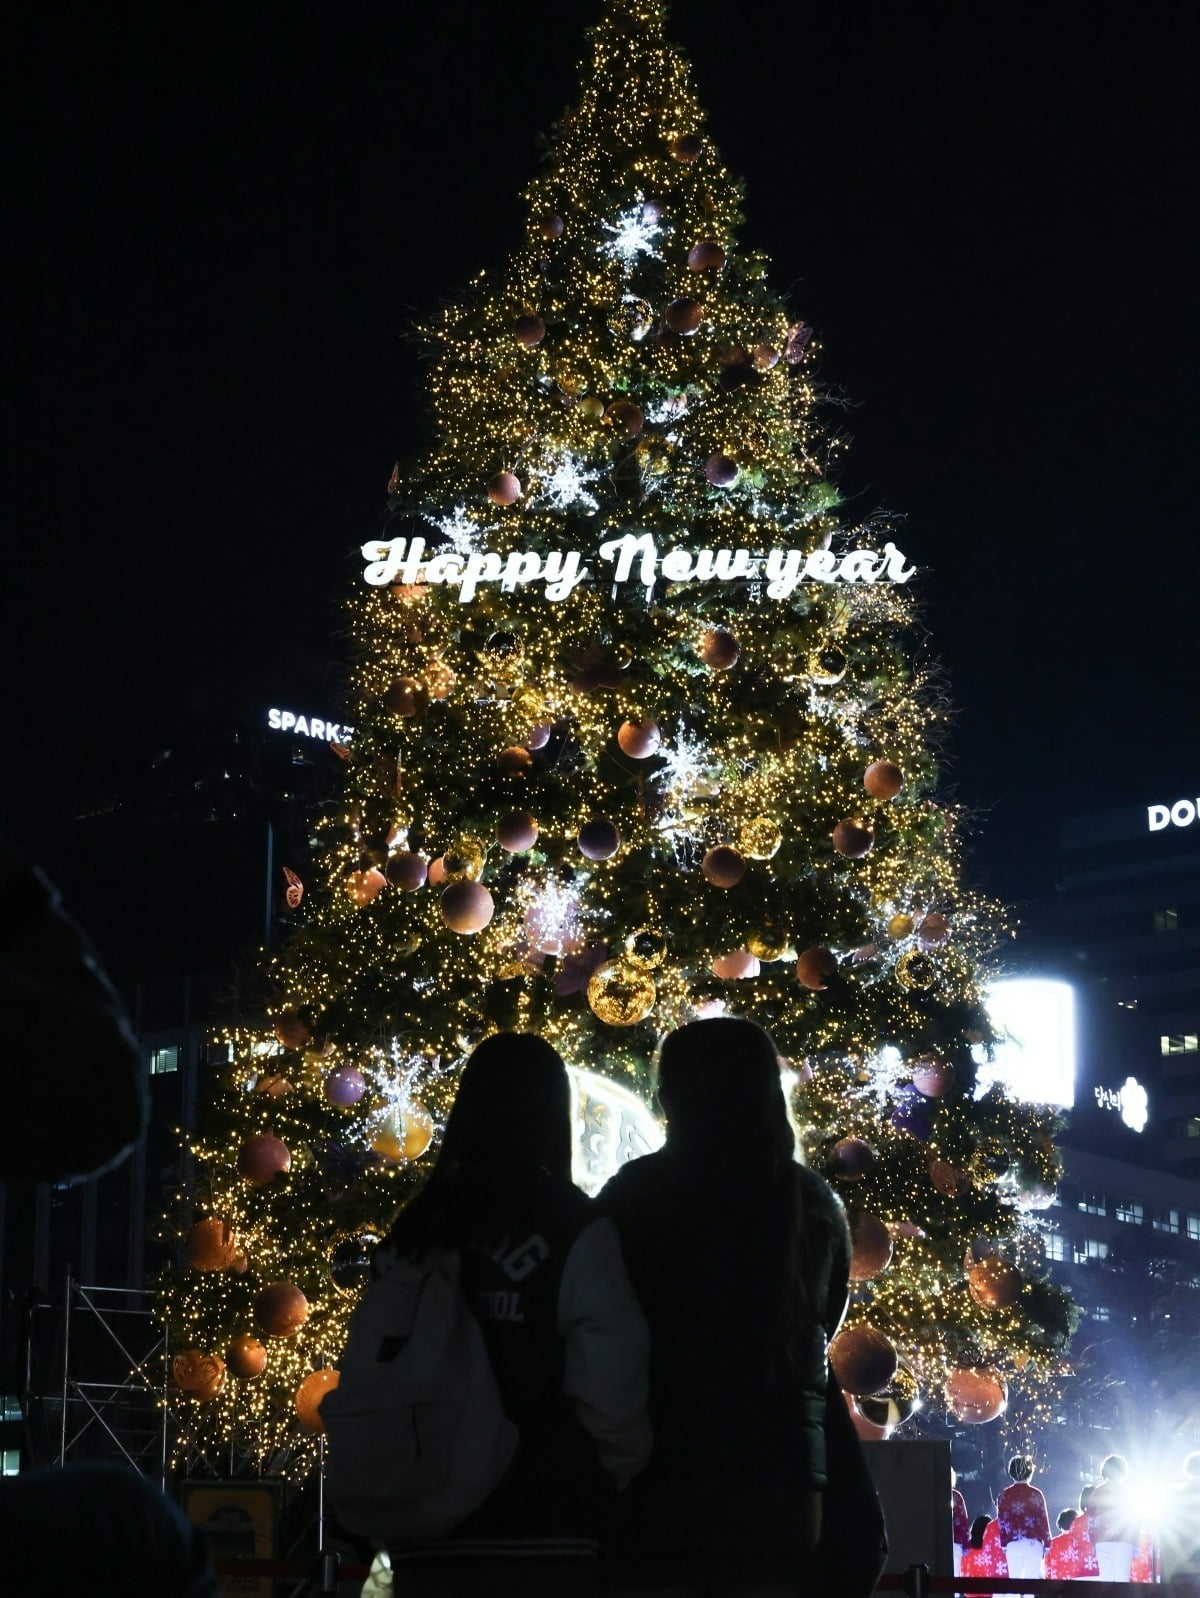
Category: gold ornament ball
[863,1359]
[768,943]
[528,703]
[308,1398]
[760,838]
[621,994]
[883,779]
[994,1283]
[418,1131]
[827,666]
[901,926]
[975,1396]
[591,406]
[246,1357]
[646,949]
[464,862]
[916,971]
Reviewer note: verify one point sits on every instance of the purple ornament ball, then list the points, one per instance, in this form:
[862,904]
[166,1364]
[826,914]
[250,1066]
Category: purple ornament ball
[345,1086]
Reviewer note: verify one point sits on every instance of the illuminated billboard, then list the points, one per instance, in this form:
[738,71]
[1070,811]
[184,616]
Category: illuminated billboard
[1034,1057]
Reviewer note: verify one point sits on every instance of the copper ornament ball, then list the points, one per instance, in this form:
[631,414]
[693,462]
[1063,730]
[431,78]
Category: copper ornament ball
[281,1309]
[738,966]
[406,696]
[517,831]
[719,649]
[626,418]
[308,1398]
[721,471]
[883,779]
[765,356]
[211,1245]
[407,871]
[994,1283]
[514,761]
[504,488]
[467,907]
[292,1030]
[364,886]
[707,256]
[684,316]
[872,1250]
[639,739]
[529,330]
[933,930]
[932,1076]
[975,1396]
[815,966]
[551,226]
[246,1357]
[598,839]
[723,866]
[262,1157]
[852,838]
[863,1359]
[948,1181]
[687,147]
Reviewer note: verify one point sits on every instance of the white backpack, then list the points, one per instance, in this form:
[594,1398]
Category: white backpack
[418,1437]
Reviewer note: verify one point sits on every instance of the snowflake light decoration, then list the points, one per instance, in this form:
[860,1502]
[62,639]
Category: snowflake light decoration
[565,484]
[552,916]
[460,531]
[684,763]
[633,233]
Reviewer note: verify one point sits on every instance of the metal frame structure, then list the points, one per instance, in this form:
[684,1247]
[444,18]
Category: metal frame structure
[137,1342]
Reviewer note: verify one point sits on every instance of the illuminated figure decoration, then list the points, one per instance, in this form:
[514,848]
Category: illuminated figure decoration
[639,728]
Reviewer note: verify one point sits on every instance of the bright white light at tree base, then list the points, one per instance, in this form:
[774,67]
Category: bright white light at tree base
[612,1126]
[1034,1059]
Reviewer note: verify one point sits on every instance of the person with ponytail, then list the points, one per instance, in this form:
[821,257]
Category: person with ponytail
[740,1257]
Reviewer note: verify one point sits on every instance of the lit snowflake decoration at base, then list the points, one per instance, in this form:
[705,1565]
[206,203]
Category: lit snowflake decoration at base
[552,917]
[566,484]
[633,233]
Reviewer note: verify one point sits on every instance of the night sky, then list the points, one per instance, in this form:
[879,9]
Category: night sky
[229,216]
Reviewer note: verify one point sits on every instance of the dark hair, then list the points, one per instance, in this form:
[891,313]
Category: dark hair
[978,1526]
[730,1139]
[1066,1519]
[509,1126]
[1020,1467]
[1114,1468]
[1085,1498]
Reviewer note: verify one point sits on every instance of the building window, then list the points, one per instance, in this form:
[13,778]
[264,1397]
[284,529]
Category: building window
[10,1461]
[1166,921]
[1128,1211]
[1092,1204]
[165,1060]
[1193,1228]
[1056,1246]
[1188,1128]
[1166,1221]
[1101,1312]
[1090,1249]
[1179,1043]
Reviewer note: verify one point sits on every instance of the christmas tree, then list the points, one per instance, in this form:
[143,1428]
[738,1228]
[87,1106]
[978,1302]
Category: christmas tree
[640,733]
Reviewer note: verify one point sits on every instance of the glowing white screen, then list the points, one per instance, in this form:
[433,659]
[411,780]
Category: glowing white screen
[1034,1059]
[612,1125]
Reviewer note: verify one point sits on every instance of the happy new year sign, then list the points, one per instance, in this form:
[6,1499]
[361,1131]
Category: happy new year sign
[633,558]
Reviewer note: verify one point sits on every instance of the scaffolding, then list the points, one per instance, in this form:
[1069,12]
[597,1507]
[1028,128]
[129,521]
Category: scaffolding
[115,1374]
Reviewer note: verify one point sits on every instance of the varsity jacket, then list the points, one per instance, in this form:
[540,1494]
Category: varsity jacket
[569,1347]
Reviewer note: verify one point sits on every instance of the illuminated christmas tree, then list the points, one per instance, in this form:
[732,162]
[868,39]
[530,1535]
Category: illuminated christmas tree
[640,734]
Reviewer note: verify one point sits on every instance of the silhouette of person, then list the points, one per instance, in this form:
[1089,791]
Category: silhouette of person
[1113,1521]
